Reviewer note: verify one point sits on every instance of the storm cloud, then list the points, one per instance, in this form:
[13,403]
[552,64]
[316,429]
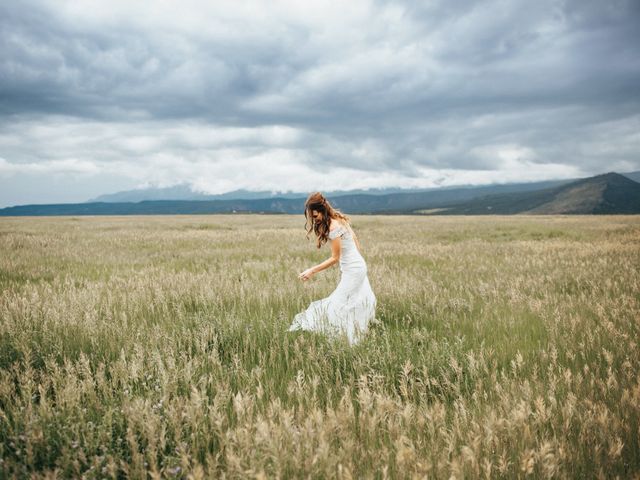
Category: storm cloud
[103,96]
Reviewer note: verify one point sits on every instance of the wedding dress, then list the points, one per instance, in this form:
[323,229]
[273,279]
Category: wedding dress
[351,306]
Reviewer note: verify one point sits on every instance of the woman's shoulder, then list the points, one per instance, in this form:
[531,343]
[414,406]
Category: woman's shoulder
[337,228]
[336,223]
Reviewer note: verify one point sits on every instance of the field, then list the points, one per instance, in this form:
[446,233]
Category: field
[135,347]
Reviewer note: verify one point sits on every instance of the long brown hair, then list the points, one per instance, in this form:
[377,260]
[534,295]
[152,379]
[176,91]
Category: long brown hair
[320,204]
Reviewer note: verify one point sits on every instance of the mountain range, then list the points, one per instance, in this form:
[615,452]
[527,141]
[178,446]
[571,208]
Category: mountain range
[184,192]
[609,193]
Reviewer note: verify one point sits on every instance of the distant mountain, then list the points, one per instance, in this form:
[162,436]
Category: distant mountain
[403,202]
[161,207]
[184,192]
[635,176]
[610,193]
[176,192]
[409,201]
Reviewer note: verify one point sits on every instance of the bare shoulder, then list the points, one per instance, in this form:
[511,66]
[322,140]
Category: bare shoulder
[335,223]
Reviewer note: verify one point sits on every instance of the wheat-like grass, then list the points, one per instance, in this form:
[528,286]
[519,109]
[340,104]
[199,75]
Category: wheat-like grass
[157,347]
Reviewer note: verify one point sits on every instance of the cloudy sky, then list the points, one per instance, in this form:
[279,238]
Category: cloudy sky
[97,96]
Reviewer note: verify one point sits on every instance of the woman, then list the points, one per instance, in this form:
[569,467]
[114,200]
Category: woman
[350,308]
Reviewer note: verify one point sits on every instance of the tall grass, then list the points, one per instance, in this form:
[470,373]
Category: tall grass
[157,347]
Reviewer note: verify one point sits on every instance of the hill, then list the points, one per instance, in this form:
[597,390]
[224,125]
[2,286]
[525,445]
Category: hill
[609,193]
[160,207]
[635,176]
[404,202]
[184,192]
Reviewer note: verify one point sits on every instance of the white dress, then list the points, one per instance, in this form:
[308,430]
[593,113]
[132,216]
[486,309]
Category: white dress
[351,306]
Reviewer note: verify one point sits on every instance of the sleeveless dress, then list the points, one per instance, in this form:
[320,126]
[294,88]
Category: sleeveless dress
[351,307]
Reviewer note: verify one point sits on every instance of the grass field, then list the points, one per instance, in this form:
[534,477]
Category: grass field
[503,347]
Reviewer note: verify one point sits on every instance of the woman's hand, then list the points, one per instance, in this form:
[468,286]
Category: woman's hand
[306,275]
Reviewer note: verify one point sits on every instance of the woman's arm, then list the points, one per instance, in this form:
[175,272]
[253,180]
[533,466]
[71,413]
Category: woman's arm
[329,262]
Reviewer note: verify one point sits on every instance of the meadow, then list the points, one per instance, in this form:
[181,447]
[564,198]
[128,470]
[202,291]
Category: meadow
[157,347]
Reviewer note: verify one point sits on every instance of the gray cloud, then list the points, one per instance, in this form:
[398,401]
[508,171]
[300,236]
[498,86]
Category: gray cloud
[229,96]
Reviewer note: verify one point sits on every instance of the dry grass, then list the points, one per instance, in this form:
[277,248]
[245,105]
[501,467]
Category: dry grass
[157,347]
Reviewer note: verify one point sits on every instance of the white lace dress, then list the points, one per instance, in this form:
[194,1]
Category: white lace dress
[351,307]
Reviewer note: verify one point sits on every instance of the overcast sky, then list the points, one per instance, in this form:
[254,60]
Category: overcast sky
[102,96]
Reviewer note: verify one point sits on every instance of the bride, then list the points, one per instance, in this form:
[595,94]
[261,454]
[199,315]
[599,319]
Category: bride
[351,306]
